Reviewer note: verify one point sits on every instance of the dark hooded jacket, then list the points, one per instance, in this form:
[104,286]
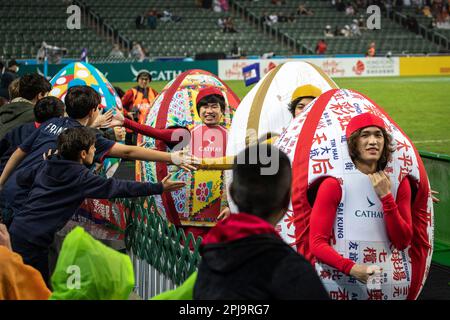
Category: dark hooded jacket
[15,114]
[244,258]
[58,187]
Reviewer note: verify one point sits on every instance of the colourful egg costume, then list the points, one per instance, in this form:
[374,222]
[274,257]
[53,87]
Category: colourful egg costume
[200,201]
[84,74]
[316,143]
[81,73]
[264,110]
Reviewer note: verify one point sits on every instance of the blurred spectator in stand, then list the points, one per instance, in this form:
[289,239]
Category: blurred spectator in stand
[228,25]
[443,17]
[321,47]
[277,2]
[303,11]
[412,24]
[345,32]
[349,10]
[7,77]
[152,19]
[371,50]
[236,50]
[116,52]
[136,52]
[270,19]
[427,12]
[327,32]
[140,21]
[220,6]
[355,32]
[362,23]
[167,16]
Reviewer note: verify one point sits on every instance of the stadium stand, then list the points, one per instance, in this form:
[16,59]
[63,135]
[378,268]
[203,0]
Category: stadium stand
[309,29]
[196,32]
[25,24]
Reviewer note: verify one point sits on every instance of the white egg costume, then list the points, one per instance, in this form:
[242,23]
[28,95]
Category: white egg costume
[264,110]
[359,229]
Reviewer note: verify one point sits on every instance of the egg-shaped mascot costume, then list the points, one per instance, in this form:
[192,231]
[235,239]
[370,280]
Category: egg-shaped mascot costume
[264,110]
[316,143]
[199,203]
[84,74]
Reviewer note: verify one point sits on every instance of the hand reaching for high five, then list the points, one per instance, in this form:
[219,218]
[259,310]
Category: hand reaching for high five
[117,119]
[169,185]
[103,120]
[184,160]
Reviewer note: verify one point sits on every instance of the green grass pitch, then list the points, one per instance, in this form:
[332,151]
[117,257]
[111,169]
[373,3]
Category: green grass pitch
[420,105]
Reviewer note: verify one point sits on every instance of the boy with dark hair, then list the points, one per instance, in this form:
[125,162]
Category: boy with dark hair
[32,88]
[82,107]
[57,188]
[45,109]
[243,256]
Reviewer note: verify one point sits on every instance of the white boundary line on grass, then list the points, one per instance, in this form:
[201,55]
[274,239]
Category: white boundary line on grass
[431,141]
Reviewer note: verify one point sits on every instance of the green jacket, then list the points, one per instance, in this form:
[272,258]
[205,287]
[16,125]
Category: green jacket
[15,114]
[89,270]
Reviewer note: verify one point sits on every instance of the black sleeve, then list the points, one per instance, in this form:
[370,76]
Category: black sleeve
[101,188]
[295,279]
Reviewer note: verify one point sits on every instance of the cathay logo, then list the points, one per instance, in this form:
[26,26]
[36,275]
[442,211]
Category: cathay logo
[371,204]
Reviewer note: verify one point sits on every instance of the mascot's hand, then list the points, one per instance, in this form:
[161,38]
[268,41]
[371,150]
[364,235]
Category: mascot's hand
[185,160]
[169,185]
[362,272]
[435,199]
[381,183]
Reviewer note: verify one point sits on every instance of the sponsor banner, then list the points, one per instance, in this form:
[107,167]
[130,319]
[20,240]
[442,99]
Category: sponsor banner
[127,72]
[424,66]
[333,67]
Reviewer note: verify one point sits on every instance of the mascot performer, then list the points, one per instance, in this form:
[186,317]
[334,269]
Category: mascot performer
[361,204]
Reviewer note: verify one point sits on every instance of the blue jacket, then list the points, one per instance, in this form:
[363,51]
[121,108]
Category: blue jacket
[38,143]
[58,187]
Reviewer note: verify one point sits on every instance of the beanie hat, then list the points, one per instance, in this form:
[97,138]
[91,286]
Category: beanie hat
[204,92]
[363,120]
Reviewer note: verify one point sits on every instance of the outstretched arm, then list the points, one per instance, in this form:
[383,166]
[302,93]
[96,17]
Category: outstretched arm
[13,162]
[179,158]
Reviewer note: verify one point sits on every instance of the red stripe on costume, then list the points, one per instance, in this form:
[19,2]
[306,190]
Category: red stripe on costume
[300,166]
[161,168]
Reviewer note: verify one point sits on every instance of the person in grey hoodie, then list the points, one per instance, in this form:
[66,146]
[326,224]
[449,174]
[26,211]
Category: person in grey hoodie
[32,88]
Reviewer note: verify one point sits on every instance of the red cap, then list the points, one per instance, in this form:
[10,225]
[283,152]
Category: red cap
[204,92]
[363,120]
